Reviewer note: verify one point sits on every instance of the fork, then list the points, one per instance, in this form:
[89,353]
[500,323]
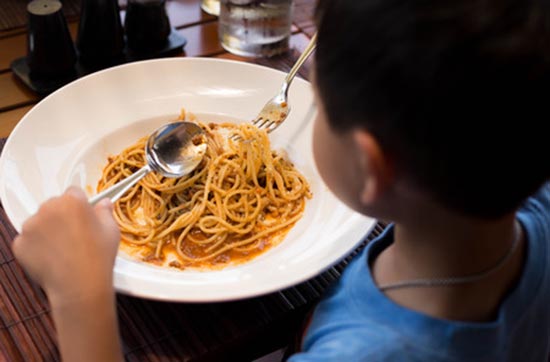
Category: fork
[276,110]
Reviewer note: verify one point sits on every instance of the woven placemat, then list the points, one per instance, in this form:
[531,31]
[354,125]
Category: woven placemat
[160,331]
[13,13]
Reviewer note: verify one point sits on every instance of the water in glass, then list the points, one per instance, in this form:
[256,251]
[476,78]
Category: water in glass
[255,27]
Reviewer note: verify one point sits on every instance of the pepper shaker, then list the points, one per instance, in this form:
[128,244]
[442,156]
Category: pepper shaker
[148,31]
[100,40]
[147,25]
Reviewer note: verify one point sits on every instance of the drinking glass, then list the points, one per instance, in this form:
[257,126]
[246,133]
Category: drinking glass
[255,28]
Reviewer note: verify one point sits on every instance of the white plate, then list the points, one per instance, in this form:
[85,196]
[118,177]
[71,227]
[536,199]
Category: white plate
[66,138]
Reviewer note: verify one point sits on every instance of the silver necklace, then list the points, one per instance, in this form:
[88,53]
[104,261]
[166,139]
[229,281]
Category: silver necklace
[439,282]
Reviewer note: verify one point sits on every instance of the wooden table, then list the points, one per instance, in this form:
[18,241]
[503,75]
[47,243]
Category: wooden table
[200,29]
[155,331]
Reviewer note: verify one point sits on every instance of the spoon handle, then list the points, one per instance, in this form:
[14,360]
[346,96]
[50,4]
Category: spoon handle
[117,190]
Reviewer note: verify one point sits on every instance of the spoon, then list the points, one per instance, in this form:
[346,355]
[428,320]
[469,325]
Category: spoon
[173,150]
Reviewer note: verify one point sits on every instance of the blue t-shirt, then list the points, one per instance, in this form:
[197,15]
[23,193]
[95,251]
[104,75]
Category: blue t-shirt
[357,322]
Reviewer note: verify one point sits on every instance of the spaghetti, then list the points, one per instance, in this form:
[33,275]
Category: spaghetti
[242,199]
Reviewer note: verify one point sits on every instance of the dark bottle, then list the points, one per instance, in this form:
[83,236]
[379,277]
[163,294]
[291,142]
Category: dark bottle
[50,49]
[100,39]
[147,25]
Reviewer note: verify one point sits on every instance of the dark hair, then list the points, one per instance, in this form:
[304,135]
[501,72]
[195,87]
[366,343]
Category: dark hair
[454,91]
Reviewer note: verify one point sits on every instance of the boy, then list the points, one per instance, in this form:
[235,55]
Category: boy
[430,116]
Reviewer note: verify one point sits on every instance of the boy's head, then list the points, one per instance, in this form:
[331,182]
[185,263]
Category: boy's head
[449,97]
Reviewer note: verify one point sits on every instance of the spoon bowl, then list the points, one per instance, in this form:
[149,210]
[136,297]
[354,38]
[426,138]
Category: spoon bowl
[176,149]
[173,150]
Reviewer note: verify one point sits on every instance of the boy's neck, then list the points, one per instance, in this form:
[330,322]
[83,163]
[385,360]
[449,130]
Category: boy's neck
[451,247]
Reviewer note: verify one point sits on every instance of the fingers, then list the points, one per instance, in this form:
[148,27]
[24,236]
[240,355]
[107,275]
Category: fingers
[76,192]
[17,248]
[105,204]
[104,212]
[57,243]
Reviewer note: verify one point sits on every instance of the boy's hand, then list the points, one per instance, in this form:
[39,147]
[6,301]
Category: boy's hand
[69,247]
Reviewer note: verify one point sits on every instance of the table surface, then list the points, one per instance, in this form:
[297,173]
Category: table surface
[150,330]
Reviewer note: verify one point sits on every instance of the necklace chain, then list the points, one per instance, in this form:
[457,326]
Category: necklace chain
[439,282]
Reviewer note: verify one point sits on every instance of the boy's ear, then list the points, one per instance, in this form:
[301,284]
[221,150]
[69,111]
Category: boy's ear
[377,170]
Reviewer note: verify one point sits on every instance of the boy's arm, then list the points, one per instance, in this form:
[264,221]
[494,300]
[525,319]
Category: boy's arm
[69,248]
[88,330]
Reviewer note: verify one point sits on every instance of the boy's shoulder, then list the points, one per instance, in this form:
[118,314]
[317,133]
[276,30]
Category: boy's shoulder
[534,216]
[536,209]
[343,329]
[356,321]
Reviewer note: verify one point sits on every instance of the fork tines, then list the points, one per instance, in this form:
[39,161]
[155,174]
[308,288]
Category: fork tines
[264,123]
[261,123]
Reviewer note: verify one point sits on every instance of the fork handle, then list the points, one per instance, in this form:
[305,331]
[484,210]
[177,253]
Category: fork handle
[301,60]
